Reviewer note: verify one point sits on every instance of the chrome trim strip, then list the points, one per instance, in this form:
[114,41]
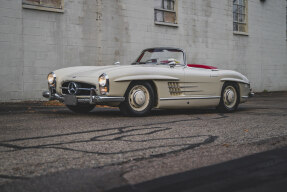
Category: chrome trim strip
[102,99]
[188,86]
[245,97]
[66,88]
[192,91]
[87,89]
[187,98]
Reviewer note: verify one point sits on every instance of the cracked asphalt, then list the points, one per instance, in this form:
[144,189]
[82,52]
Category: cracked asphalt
[48,148]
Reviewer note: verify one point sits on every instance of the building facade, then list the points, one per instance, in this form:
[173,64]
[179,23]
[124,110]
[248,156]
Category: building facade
[39,36]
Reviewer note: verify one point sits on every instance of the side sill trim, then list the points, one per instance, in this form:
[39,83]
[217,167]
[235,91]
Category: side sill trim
[188,98]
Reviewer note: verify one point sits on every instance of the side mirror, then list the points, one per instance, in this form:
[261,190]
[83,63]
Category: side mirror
[117,63]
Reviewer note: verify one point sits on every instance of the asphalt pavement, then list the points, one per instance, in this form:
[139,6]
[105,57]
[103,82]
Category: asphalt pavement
[45,147]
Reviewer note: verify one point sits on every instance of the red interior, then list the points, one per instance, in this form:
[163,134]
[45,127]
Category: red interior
[201,66]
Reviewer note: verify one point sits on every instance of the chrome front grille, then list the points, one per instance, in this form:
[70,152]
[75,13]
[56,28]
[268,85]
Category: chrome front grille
[76,88]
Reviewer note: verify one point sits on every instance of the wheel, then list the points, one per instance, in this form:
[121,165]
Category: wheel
[139,99]
[82,108]
[229,100]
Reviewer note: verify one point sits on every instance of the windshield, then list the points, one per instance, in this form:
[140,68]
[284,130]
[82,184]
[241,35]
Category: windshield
[161,56]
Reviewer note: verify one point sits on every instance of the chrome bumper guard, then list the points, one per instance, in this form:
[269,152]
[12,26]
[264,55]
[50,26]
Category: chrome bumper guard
[251,94]
[92,99]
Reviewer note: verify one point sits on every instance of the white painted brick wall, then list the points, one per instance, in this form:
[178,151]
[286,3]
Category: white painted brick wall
[100,32]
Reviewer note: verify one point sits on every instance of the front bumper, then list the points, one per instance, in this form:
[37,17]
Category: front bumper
[92,99]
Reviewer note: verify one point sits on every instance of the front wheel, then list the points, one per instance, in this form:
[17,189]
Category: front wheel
[139,99]
[229,98]
[81,108]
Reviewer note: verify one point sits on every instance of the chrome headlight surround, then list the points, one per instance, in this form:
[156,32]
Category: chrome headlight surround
[104,84]
[51,79]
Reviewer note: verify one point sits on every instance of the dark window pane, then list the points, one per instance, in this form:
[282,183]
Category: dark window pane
[235,9]
[235,17]
[241,10]
[235,27]
[241,18]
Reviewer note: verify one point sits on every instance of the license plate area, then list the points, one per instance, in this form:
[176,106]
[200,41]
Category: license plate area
[70,100]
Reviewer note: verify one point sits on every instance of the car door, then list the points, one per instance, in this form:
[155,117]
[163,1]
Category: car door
[202,83]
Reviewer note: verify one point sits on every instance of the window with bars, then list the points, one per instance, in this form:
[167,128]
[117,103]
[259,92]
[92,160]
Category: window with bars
[240,15]
[48,5]
[165,11]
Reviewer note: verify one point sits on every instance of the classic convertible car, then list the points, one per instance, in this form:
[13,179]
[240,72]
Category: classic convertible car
[159,78]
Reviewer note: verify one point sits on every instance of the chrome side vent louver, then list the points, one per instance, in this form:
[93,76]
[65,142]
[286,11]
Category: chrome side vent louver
[174,88]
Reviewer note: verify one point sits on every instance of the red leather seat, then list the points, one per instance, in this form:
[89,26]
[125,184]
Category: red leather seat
[201,66]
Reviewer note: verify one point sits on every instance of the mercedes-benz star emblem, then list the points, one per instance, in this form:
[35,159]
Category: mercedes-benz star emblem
[73,88]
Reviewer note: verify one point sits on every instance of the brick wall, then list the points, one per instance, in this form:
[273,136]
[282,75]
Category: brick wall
[100,32]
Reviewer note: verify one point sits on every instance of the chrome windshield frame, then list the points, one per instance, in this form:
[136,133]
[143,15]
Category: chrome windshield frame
[168,48]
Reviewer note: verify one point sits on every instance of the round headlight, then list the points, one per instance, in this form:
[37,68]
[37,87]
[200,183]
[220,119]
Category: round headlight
[103,80]
[51,78]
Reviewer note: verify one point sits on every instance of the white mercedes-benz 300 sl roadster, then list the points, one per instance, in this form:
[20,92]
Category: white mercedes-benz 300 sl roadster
[159,78]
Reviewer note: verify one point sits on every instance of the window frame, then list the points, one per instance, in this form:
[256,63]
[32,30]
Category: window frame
[175,11]
[245,14]
[42,7]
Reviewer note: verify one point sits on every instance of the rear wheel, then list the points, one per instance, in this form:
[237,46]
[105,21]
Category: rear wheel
[139,99]
[81,108]
[229,98]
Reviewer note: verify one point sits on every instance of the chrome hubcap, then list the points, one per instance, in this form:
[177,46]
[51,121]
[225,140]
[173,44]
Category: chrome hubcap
[229,97]
[139,97]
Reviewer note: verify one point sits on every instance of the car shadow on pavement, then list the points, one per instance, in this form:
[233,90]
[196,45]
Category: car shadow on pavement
[260,172]
[114,112]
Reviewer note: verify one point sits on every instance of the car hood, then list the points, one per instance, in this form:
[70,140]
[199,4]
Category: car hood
[84,71]
[96,71]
